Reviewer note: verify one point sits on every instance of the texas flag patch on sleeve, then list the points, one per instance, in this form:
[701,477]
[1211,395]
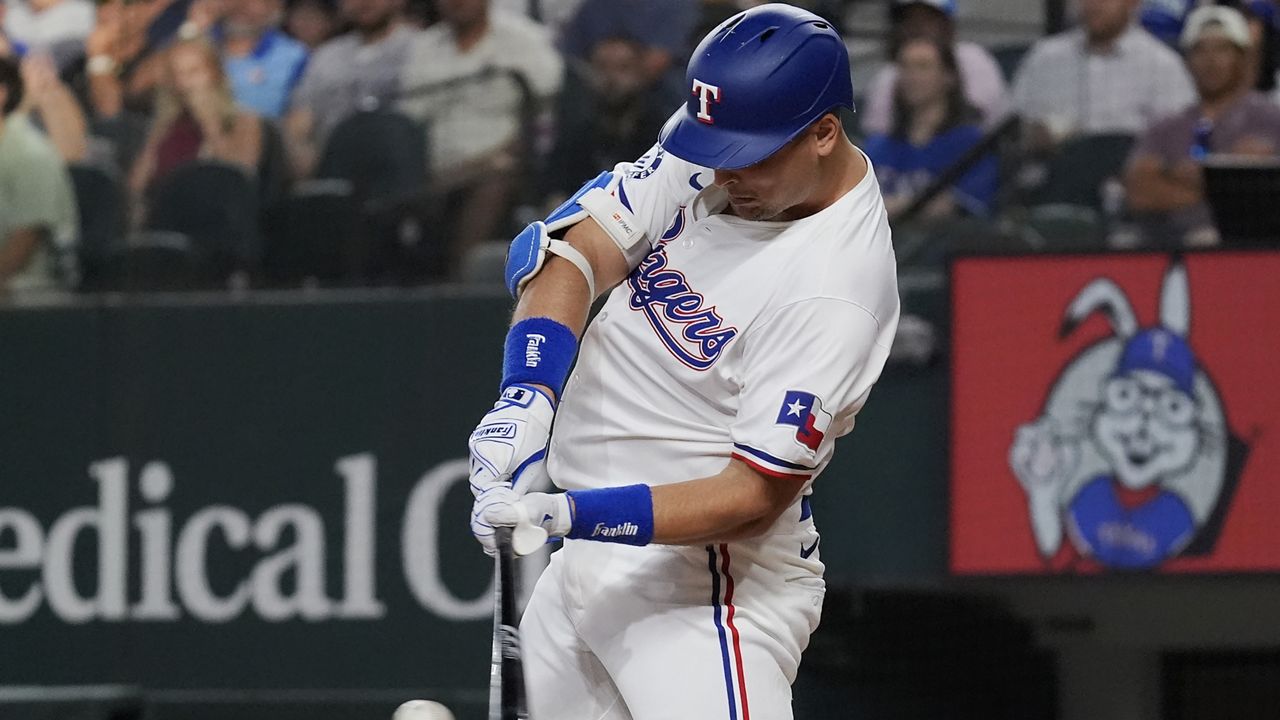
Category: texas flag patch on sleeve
[804,411]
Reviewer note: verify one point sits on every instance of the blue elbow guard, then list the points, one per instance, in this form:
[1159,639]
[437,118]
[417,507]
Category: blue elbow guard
[598,199]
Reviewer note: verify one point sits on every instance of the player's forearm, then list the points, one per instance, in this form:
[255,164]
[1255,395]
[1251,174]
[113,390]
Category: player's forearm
[560,291]
[735,504]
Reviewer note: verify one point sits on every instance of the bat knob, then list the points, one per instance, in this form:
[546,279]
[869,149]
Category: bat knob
[527,538]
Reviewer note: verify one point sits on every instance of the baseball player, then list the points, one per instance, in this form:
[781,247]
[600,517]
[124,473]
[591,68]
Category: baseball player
[754,301]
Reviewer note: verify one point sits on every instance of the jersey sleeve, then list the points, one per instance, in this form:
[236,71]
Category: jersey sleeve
[657,187]
[806,372]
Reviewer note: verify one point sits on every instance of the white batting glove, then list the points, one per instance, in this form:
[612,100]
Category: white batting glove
[508,448]
[533,518]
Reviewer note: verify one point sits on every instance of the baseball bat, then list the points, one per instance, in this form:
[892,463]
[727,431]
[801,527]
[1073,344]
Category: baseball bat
[506,674]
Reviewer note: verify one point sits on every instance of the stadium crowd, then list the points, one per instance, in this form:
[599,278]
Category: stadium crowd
[177,144]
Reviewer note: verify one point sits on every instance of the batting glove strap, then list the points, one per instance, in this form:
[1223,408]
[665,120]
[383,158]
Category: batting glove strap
[617,515]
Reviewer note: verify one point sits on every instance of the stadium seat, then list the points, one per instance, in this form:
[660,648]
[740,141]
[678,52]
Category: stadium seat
[311,236]
[932,242]
[382,153]
[1064,227]
[273,167]
[100,199]
[153,261]
[1075,175]
[216,206]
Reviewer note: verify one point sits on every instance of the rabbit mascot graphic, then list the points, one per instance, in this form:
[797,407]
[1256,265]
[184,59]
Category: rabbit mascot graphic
[1129,457]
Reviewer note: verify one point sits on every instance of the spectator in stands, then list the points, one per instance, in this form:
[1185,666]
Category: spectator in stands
[357,71]
[1164,180]
[262,63]
[984,84]
[196,119]
[117,62]
[933,127]
[37,208]
[475,78]
[607,115]
[1107,77]
[51,104]
[312,22]
[664,28]
[57,27]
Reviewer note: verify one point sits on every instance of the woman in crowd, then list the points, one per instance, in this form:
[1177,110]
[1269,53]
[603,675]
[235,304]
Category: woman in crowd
[195,118]
[933,127]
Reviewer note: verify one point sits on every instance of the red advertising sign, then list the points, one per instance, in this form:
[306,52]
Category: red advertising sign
[1116,413]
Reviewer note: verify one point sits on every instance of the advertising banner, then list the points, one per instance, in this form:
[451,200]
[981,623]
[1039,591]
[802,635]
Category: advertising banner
[1113,413]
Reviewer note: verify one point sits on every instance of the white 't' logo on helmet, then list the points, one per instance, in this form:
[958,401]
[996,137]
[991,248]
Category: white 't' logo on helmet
[707,94]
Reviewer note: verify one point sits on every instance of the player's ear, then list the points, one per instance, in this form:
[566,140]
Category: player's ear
[827,132]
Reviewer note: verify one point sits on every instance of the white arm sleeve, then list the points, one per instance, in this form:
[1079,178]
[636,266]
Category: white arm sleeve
[658,186]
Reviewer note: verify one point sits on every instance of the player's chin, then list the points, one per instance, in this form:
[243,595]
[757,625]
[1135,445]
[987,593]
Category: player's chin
[752,210]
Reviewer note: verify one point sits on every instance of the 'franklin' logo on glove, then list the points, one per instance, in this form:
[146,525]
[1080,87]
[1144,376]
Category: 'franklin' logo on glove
[494,431]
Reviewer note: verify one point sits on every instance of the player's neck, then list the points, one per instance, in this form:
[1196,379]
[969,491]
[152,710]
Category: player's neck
[841,172]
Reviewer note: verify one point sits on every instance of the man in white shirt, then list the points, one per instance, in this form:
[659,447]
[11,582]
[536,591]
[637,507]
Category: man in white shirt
[755,303]
[1106,77]
[472,78]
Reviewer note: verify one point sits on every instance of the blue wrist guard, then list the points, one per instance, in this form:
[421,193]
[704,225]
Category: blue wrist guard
[617,515]
[539,351]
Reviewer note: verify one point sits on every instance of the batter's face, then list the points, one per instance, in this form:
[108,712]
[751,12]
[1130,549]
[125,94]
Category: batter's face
[782,186]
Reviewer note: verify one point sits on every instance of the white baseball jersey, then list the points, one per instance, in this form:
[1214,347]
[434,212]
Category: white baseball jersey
[757,340]
[754,340]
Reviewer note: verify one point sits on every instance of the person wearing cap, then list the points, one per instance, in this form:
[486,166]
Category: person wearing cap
[1164,180]
[981,79]
[754,303]
[1108,76]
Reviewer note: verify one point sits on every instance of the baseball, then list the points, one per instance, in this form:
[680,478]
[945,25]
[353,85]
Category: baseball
[422,710]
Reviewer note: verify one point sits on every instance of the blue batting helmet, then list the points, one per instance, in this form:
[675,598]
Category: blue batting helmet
[755,82]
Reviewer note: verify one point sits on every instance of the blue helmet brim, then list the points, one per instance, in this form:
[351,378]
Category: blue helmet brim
[719,148]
